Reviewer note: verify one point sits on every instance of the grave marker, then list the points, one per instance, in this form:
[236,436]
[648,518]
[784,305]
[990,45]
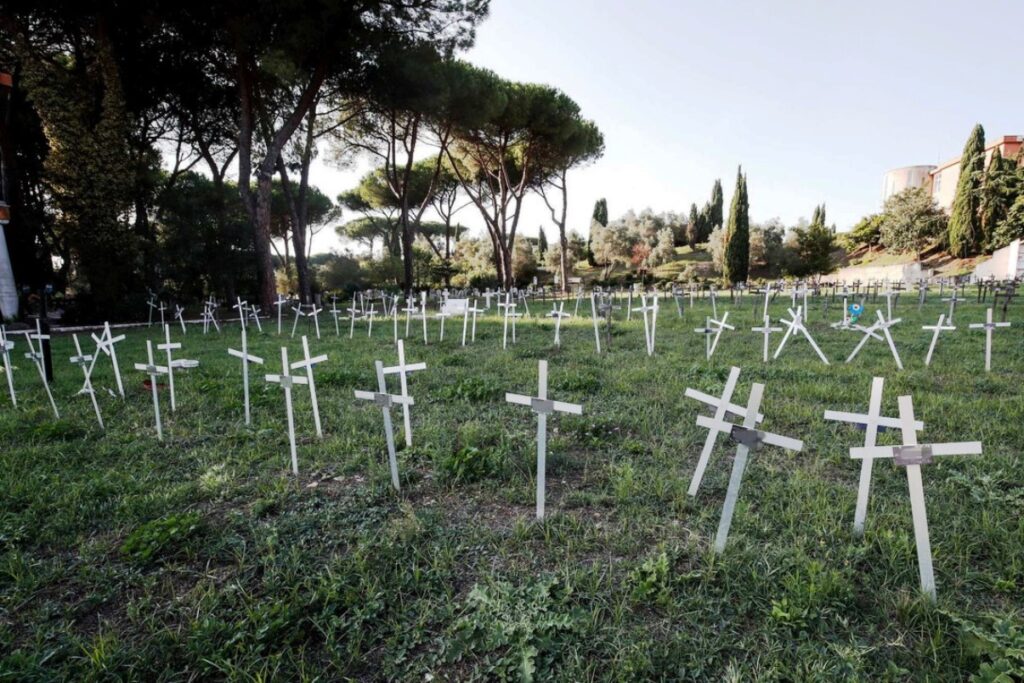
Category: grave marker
[766,329]
[154,371]
[384,400]
[988,326]
[796,325]
[869,333]
[246,359]
[938,327]
[309,363]
[6,346]
[37,358]
[402,370]
[87,362]
[287,381]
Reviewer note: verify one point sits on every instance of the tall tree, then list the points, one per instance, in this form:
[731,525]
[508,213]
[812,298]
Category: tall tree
[599,216]
[964,228]
[999,190]
[716,206]
[737,233]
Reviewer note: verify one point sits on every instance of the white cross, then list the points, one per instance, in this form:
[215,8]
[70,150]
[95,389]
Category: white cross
[869,332]
[543,406]
[280,303]
[912,455]
[747,437]
[938,327]
[797,325]
[465,320]
[713,295]
[410,308]
[442,315]
[152,307]
[254,314]
[308,363]
[526,306]
[370,315]
[766,329]
[173,362]
[154,371]
[334,314]
[558,313]
[953,301]
[287,381]
[645,309]
[843,324]
[593,317]
[87,363]
[708,330]
[988,326]
[509,308]
[209,317]
[6,346]
[246,359]
[241,306]
[402,370]
[872,421]
[162,308]
[385,400]
[423,315]
[722,406]
[354,314]
[37,358]
[105,344]
[888,302]
[298,314]
[179,313]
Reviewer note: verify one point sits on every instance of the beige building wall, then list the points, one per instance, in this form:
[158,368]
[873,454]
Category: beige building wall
[899,179]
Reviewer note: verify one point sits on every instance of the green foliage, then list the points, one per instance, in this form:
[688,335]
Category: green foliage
[867,232]
[515,632]
[161,537]
[910,220]
[964,226]
[600,214]
[736,259]
[1001,194]
[650,580]
[813,249]
[713,212]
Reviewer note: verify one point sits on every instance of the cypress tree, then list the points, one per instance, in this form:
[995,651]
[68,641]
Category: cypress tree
[737,233]
[997,195]
[716,205]
[600,215]
[542,243]
[964,230]
[693,229]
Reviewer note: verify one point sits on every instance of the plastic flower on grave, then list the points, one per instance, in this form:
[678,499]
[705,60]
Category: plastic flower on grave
[856,311]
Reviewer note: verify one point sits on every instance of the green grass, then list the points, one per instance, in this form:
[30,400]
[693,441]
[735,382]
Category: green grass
[123,558]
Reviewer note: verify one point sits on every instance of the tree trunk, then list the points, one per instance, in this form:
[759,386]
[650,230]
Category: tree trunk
[261,241]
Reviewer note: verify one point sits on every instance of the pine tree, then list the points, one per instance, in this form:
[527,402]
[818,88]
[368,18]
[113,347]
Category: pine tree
[542,243]
[964,229]
[599,216]
[737,233]
[716,205]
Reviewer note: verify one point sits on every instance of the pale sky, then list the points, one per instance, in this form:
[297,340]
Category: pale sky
[816,99]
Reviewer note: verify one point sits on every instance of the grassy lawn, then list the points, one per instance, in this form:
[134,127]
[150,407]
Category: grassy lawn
[123,558]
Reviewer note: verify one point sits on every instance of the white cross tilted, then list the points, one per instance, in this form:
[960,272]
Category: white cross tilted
[797,325]
[708,330]
[403,370]
[171,363]
[254,314]
[558,313]
[766,329]
[280,303]
[649,325]
[871,422]
[722,406]
[385,400]
[179,313]
[593,317]
[105,343]
[869,332]
[953,301]
[246,359]
[465,321]
[509,308]
[87,363]
[287,381]
[354,314]
[315,314]
[938,327]
[912,455]
[37,358]
[242,308]
[747,437]
[308,363]
[543,406]
[154,371]
[6,346]
[988,326]
[298,314]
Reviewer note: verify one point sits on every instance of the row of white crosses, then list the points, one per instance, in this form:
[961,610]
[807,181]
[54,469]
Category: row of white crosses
[746,436]
[156,371]
[210,315]
[911,455]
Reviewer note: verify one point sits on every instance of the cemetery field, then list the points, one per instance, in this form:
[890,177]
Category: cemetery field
[202,557]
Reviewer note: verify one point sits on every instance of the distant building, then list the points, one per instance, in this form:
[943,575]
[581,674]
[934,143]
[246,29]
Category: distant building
[941,180]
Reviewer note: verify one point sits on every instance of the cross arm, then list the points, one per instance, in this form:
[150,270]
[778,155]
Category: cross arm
[856,418]
[952,448]
[714,402]
[766,437]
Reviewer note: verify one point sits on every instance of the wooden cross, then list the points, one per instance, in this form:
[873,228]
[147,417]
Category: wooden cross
[154,371]
[384,400]
[6,346]
[747,438]
[152,307]
[287,381]
[402,370]
[988,326]
[242,308]
[354,314]
[593,317]
[442,315]
[649,327]
[843,324]
[953,301]
[509,308]
[872,422]
[912,455]
[410,308]
[722,406]
[280,303]
[173,362]
[209,317]
[558,313]
[423,315]
[87,363]
[766,329]
[179,313]
[713,295]
[334,314]
[869,332]
[889,294]
[37,358]
[370,315]
[254,314]
[542,406]
[308,363]
[246,359]
[939,327]
[708,330]
[796,325]
[298,314]
[105,344]
[465,320]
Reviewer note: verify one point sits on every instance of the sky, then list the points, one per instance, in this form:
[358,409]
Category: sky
[815,99]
